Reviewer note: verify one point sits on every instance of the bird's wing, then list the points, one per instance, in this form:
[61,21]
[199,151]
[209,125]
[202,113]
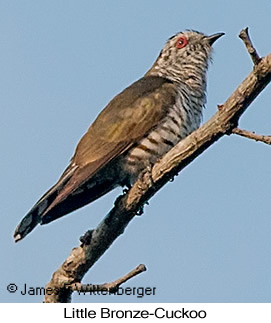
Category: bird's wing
[126,119]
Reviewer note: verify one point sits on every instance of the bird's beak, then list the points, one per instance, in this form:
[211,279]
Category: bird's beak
[211,39]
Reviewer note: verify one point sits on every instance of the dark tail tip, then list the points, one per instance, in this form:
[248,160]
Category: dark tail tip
[27,224]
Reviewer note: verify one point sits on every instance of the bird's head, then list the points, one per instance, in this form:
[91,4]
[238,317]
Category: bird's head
[184,56]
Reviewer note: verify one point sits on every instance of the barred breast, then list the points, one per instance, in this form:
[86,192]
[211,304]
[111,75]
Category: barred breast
[183,118]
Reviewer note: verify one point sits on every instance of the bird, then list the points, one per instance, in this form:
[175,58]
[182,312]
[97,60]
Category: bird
[137,127]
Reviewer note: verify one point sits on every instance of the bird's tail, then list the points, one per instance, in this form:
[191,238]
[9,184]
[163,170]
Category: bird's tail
[34,216]
[29,222]
[53,205]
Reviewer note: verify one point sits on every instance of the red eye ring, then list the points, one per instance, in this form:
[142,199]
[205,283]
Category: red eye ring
[181,42]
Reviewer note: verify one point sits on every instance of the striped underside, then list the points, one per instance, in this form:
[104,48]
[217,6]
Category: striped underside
[183,118]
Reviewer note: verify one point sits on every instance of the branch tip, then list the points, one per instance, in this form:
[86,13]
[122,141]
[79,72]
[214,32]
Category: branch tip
[244,35]
[252,135]
[107,287]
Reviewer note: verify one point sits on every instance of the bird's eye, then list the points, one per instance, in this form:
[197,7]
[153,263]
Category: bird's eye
[181,42]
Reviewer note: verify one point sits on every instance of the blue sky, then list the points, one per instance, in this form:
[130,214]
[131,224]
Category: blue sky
[206,236]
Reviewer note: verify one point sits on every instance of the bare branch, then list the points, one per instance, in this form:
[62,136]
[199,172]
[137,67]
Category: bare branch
[252,135]
[108,287]
[127,206]
[251,50]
